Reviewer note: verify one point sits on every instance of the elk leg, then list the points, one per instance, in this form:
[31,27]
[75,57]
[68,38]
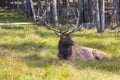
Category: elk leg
[61,56]
[98,55]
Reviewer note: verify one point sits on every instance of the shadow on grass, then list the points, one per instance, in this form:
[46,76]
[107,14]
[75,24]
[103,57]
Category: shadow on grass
[26,46]
[19,27]
[31,45]
[12,16]
[111,65]
[36,60]
[12,27]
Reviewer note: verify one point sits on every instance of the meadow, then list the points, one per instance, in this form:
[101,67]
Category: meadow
[9,16]
[28,52]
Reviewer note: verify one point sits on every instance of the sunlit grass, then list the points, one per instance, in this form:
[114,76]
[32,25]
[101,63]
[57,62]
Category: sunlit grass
[29,52]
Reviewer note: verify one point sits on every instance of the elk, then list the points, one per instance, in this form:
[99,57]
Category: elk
[68,50]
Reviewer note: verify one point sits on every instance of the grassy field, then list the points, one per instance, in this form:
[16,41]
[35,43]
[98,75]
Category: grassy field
[12,16]
[28,52]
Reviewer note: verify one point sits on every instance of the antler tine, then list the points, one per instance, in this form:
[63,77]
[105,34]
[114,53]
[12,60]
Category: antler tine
[47,25]
[65,31]
[76,28]
[50,28]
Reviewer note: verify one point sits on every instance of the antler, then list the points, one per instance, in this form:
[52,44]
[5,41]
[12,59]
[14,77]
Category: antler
[76,27]
[47,25]
[43,19]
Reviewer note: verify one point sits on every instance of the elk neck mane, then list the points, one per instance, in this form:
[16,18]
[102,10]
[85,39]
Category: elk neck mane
[64,50]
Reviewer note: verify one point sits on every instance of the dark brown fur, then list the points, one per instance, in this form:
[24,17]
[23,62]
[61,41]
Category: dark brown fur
[64,47]
[68,50]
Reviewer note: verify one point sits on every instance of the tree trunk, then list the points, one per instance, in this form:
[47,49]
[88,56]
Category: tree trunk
[116,13]
[47,8]
[25,7]
[64,3]
[8,4]
[67,8]
[97,13]
[102,15]
[39,8]
[2,3]
[33,11]
[58,8]
[55,16]
[28,10]
[92,11]
[80,7]
[87,10]
[18,5]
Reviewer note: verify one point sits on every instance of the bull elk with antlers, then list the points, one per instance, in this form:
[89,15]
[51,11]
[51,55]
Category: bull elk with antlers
[68,50]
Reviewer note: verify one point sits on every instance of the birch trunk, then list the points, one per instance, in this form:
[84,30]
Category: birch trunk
[33,11]
[55,16]
[97,13]
[102,15]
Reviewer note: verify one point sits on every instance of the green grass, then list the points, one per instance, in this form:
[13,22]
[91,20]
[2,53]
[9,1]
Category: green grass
[12,16]
[28,52]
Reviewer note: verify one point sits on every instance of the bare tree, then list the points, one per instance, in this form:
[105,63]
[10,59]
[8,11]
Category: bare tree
[39,13]
[67,8]
[18,4]
[33,11]
[116,13]
[97,15]
[55,16]
[59,8]
[92,11]
[27,8]
[100,15]
[47,9]
[80,7]
[87,12]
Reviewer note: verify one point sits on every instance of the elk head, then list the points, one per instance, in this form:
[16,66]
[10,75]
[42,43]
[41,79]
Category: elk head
[66,40]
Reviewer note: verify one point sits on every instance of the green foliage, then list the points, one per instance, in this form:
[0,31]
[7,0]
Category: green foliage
[28,52]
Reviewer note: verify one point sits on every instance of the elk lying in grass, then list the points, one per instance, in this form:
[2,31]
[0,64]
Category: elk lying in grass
[68,50]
